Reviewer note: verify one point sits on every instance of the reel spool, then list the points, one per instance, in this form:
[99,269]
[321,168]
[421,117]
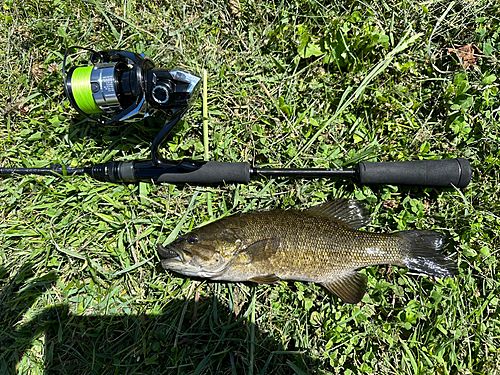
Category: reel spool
[123,86]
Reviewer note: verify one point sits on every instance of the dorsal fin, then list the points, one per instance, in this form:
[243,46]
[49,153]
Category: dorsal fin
[348,211]
[350,287]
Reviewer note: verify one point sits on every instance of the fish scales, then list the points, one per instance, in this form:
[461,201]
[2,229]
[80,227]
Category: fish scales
[315,248]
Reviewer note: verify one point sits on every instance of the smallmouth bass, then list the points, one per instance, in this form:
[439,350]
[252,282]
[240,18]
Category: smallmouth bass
[321,244]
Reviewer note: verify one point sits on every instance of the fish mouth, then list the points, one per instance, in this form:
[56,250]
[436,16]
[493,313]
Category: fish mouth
[173,259]
[169,254]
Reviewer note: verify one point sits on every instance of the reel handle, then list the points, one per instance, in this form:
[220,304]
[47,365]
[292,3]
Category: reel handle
[431,173]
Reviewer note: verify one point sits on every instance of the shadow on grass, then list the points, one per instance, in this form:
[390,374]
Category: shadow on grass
[187,337]
[123,136]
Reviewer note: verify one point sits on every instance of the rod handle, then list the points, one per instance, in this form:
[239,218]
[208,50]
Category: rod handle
[432,173]
[211,172]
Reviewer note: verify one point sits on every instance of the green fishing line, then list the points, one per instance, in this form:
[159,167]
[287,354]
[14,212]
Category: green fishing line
[82,91]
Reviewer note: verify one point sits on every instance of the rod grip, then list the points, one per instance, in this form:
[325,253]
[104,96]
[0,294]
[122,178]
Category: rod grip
[211,172]
[432,173]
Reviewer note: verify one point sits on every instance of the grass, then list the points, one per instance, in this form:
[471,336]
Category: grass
[300,83]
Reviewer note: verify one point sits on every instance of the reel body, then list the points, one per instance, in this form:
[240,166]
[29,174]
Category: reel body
[122,86]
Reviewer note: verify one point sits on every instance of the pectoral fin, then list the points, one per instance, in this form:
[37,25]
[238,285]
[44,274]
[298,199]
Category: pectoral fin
[350,287]
[266,279]
[262,250]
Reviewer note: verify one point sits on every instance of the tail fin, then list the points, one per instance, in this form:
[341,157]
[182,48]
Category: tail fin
[424,253]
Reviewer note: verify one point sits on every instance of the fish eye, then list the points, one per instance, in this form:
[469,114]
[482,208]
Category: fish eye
[192,239]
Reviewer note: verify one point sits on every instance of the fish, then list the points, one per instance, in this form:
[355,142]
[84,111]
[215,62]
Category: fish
[322,244]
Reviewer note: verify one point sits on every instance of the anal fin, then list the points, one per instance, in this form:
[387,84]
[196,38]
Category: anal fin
[350,288]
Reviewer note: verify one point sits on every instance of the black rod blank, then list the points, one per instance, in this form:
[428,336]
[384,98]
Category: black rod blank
[55,170]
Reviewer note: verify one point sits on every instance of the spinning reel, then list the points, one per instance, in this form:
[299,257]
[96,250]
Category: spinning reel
[122,86]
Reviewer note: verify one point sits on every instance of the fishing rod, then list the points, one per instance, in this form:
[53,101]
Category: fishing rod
[122,86]
[426,173]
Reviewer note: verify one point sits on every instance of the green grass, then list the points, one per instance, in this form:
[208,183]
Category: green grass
[302,83]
